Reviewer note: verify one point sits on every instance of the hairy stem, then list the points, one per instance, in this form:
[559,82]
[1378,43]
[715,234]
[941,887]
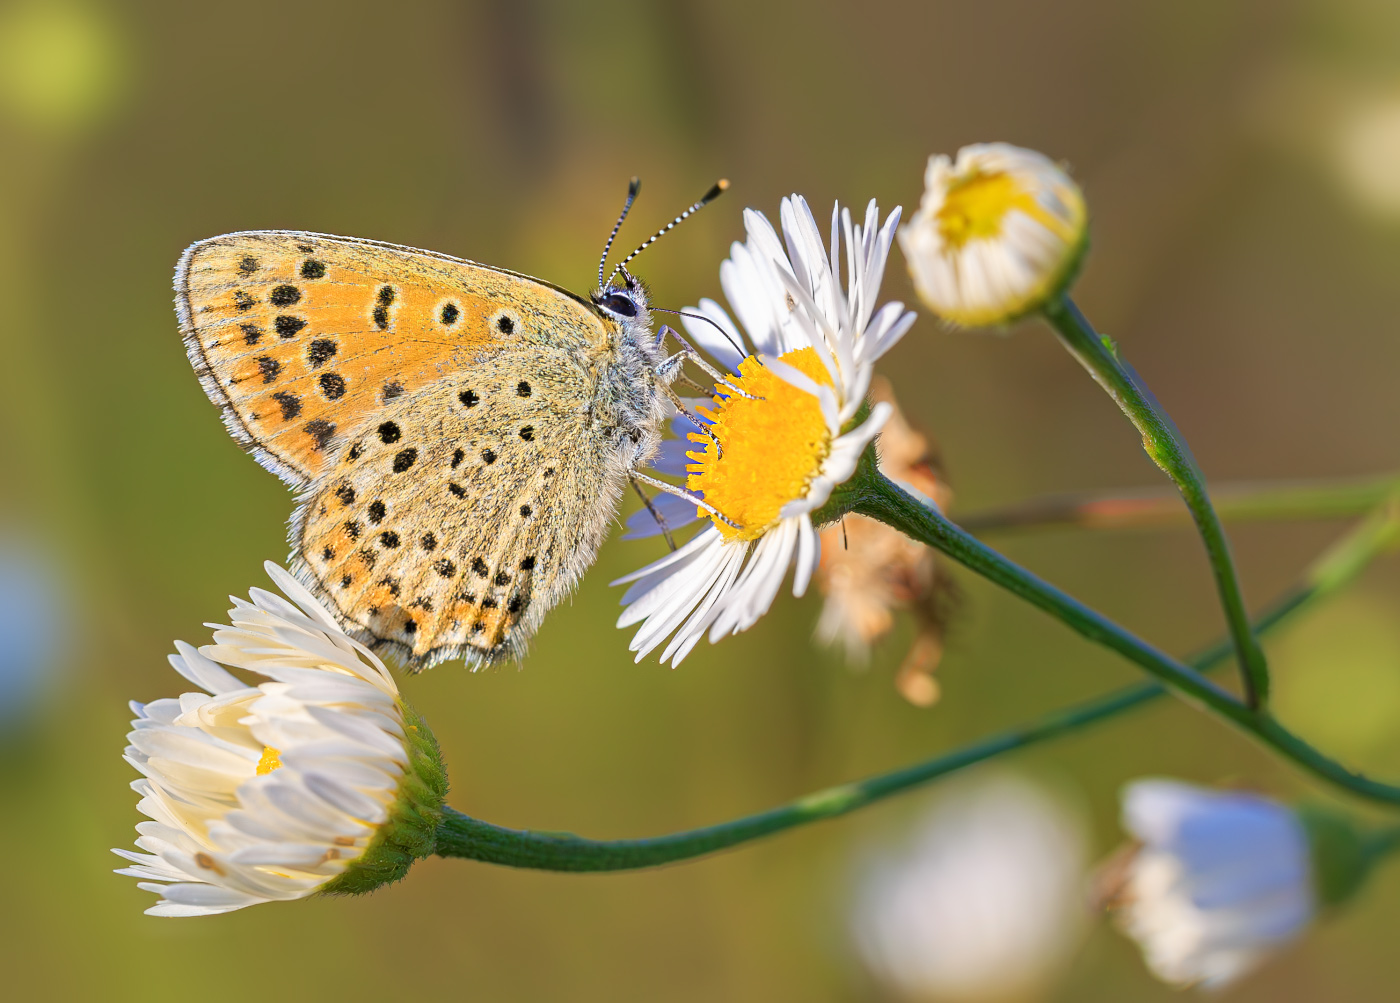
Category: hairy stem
[1169,451]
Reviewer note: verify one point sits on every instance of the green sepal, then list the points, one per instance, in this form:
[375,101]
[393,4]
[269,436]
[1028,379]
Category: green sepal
[1340,853]
[410,832]
[846,495]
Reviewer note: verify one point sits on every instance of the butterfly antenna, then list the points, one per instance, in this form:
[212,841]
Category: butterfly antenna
[633,187]
[716,190]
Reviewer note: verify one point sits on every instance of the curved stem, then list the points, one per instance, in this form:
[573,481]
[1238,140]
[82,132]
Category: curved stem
[872,494]
[462,836]
[1169,451]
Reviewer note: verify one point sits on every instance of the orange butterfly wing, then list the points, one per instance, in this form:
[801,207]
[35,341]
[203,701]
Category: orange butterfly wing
[300,337]
[347,367]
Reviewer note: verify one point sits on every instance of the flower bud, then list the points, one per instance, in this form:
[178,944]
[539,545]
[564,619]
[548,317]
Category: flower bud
[319,779]
[998,233]
[1219,880]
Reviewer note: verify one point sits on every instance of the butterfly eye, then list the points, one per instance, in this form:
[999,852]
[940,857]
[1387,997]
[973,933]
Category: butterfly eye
[620,304]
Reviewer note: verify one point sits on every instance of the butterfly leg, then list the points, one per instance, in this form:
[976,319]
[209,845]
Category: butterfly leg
[689,354]
[689,496]
[700,426]
[655,513]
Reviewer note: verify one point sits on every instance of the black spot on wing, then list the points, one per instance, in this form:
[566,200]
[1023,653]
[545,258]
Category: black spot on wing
[287,326]
[290,404]
[320,430]
[319,351]
[332,386]
[284,296]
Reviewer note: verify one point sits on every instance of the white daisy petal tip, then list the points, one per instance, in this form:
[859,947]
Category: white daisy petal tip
[812,334]
[318,779]
[999,232]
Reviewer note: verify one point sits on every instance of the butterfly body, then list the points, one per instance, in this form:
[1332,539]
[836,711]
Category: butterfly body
[459,435]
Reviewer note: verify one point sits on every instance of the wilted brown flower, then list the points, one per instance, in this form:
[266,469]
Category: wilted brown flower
[869,570]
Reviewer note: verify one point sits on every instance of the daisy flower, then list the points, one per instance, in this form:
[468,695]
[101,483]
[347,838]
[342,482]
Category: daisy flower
[783,430]
[998,232]
[318,779]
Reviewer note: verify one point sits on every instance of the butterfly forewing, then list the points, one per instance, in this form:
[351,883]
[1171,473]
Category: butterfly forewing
[437,416]
[298,337]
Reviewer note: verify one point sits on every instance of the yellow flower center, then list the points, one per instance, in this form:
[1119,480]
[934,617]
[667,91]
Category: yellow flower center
[772,446]
[976,206]
[269,760]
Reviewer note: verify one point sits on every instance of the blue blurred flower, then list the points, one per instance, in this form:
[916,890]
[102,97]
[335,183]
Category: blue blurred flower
[29,616]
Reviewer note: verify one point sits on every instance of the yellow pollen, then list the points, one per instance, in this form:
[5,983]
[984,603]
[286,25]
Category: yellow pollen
[976,206]
[269,760]
[773,445]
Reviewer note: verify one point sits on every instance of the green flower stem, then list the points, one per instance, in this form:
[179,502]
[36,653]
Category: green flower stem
[462,836]
[1169,451]
[1233,502]
[871,493]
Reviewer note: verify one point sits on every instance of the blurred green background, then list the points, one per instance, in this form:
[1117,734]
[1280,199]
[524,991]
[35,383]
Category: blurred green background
[1242,165]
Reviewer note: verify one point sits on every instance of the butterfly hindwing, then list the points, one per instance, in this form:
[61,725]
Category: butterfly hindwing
[449,528]
[300,338]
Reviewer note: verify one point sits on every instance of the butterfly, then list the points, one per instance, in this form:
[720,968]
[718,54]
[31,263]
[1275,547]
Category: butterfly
[458,435]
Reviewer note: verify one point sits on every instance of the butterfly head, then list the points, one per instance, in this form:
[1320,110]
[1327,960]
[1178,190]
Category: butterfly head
[627,303]
[623,303]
